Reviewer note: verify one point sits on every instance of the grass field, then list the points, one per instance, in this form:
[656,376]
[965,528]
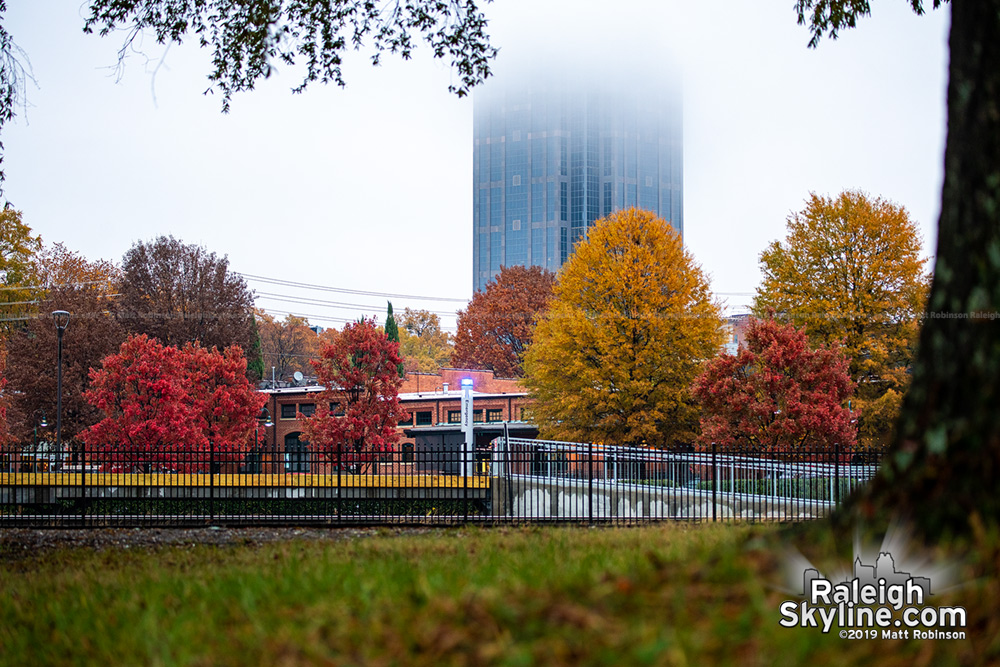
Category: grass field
[674,594]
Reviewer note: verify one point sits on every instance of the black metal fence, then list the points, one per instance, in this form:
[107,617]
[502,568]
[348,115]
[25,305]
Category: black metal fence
[512,480]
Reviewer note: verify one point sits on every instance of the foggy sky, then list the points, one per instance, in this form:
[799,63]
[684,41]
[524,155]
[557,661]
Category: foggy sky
[369,187]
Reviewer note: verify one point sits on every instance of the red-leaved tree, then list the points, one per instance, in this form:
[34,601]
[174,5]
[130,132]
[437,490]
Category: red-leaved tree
[4,428]
[776,394]
[358,366]
[168,409]
[226,404]
[495,330]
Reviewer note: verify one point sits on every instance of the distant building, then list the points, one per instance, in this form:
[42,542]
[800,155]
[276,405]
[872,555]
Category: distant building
[434,418]
[553,154]
[735,327]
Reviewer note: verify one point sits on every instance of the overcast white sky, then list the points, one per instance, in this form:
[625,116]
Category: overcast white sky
[369,187]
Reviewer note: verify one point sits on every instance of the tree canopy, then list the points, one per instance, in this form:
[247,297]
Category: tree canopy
[287,345]
[776,394]
[170,408]
[249,40]
[614,357]
[18,270]
[424,346]
[92,334]
[496,328]
[850,270]
[358,367]
[182,293]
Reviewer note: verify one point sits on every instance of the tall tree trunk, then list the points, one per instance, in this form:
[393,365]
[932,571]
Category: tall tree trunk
[945,463]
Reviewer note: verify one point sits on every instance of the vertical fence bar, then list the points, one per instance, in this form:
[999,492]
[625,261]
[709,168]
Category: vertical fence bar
[715,480]
[83,483]
[590,482]
[836,474]
[211,479]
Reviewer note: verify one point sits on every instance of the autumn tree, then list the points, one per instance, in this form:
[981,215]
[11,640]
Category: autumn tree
[92,334]
[226,404]
[358,367]
[945,457]
[287,345]
[18,270]
[169,408]
[424,346]
[182,293]
[850,270]
[392,333]
[776,394]
[615,355]
[496,328]
[58,266]
[4,400]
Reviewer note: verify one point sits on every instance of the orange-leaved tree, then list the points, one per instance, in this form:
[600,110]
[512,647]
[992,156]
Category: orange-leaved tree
[614,357]
[495,330]
[424,346]
[358,366]
[287,345]
[776,394]
[850,270]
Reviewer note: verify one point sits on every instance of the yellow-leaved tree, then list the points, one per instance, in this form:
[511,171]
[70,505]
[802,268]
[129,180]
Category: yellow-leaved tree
[850,270]
[631,320]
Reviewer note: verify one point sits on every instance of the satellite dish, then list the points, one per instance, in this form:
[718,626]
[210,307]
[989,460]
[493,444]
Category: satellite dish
[298,376]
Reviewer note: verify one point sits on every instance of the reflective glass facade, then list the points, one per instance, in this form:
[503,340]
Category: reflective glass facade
[550,158]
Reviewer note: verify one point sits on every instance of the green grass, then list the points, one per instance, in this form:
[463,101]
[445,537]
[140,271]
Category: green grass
[681,594]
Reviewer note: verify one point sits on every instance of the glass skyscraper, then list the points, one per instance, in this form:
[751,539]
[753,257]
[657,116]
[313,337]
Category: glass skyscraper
[552,156]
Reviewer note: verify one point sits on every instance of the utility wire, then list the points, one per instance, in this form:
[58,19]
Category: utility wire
[342,290]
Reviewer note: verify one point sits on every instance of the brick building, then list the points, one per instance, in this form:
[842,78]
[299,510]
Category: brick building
[433,404]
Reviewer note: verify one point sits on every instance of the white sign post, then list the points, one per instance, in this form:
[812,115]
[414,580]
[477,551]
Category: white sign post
[469,448]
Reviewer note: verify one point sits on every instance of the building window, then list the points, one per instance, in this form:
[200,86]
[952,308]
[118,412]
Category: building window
[407,421]
[494,415]
[425,418]
[307,409]
[516,225]
[454,416]
[407,452]
[336,410]
[288,411]
[516,180]
[477,416]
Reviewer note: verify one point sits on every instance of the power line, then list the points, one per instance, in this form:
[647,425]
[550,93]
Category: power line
[342,290]
[273,296]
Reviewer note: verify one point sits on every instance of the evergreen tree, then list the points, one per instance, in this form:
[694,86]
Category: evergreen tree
[392,333]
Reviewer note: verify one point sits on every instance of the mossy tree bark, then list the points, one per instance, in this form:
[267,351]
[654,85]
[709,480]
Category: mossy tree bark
[945,463]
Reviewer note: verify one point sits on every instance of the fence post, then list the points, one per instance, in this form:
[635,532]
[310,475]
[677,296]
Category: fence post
[340,488]
[83,483]
[211,479]
[836,474]
[590,481]
[715,480]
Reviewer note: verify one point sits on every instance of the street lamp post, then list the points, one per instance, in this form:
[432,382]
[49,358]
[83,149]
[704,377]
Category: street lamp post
[61,319]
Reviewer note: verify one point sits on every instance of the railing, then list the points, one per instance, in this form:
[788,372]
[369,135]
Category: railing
[508,481]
